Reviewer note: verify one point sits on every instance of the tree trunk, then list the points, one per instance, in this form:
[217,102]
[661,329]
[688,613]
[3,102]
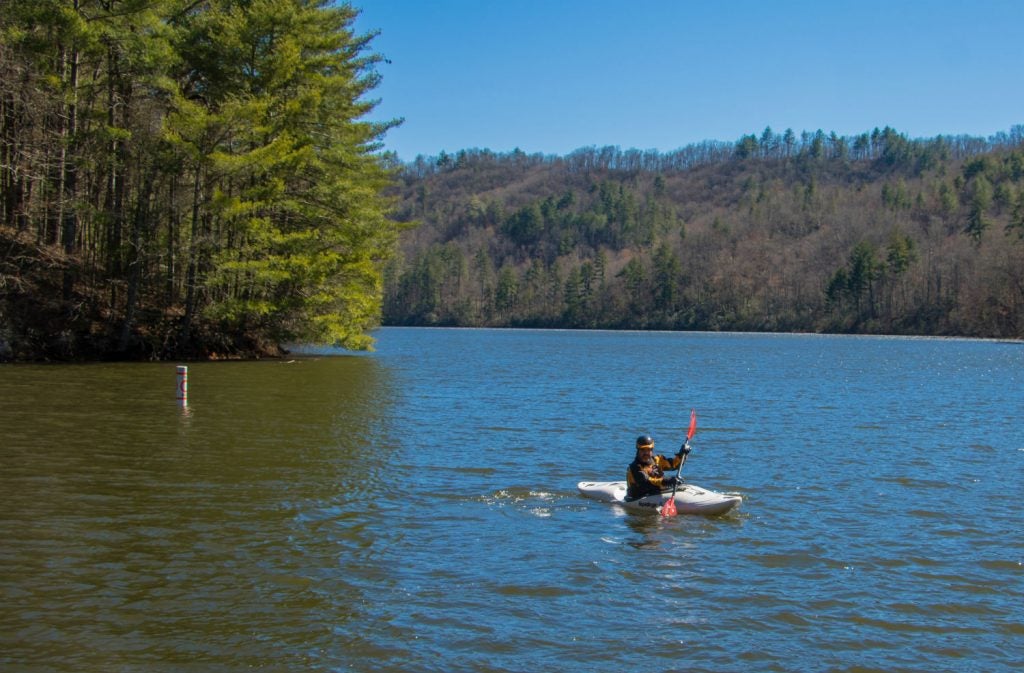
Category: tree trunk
[191,273]
[136,265]
[69,177]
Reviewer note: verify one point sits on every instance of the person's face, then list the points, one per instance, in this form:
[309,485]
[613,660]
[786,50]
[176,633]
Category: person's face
[646,453]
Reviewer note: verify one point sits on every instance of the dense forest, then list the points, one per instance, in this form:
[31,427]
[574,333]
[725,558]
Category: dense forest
[196,178]
[875,233]
[185,178]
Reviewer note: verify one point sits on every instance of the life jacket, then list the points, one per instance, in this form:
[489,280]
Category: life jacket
[645,479]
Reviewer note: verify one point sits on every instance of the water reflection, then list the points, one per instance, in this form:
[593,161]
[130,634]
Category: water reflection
[137,528]
[648,530]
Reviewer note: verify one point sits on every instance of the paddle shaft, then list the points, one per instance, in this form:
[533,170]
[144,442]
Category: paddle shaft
[679,470]
[686,445]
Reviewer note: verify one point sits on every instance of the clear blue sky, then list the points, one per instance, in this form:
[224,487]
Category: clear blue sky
[552,76]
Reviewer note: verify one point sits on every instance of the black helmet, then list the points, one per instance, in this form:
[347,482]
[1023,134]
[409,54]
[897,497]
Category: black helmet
[644,441]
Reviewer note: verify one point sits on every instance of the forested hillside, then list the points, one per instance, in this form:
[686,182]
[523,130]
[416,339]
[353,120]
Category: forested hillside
[876,233]
[187,179]
[196,179]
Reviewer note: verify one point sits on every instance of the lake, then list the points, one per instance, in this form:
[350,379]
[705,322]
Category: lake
[415,509]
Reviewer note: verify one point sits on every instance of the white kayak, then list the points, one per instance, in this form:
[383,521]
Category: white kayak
[690,499]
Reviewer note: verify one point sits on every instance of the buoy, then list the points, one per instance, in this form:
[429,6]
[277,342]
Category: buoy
[182,385]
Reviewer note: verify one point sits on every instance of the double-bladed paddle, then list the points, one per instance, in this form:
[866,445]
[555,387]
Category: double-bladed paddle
[669,508]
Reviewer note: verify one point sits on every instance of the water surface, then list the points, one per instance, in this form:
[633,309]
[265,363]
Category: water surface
[415,509]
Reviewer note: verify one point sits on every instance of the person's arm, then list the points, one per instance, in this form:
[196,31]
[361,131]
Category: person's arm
[658,481]
[666,464]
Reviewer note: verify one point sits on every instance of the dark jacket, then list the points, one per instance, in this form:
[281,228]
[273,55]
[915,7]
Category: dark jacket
[642,480]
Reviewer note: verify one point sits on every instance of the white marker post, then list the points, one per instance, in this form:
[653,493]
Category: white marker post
[182,386]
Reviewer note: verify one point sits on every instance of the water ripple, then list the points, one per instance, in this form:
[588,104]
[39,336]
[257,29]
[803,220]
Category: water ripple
[396,513]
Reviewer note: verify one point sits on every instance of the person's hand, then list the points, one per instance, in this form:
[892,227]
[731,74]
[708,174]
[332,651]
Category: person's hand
[684,450]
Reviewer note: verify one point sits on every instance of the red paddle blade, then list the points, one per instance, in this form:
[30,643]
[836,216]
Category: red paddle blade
[669,508]
[693,424]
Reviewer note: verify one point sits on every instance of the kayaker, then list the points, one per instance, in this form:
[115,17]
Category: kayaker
[646,474]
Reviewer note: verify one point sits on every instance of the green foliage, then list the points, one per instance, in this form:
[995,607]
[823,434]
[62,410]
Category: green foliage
[838,286]
[635,279]
[981,198]
[982,166]
[895,195]
[901,255]
[667,275]
[949,203]
[231,178]
[526,225]
[810,232]
[863,269]
[1016,223]
[309,233]
[747,147]
[507,290]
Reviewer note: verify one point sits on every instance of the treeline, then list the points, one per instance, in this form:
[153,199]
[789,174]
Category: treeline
[886,144]
[183,178]
[875,233]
